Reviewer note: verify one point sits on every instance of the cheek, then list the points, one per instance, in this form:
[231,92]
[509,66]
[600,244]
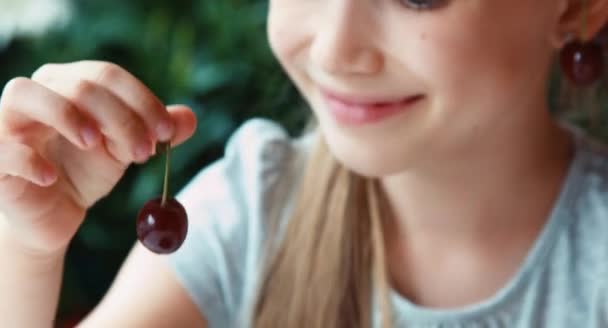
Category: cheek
[471,64]
[473,74]
[288,41]
[290,27]
[278,35]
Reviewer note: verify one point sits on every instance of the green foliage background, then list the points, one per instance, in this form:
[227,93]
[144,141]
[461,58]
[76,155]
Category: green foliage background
[212,55]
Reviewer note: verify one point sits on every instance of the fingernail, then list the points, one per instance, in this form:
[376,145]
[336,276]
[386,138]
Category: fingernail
[48,177]
[142,152]
[164,131]
[89,136]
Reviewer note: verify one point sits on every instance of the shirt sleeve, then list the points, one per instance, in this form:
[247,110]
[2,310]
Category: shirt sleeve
[599,306]
[224,206]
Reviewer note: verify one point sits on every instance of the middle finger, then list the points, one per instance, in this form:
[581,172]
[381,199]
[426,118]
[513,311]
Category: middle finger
[127,136]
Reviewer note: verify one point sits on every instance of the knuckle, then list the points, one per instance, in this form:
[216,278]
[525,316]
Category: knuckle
[15,85]
[12,89]
[43,72]
[83,90]
[108,73]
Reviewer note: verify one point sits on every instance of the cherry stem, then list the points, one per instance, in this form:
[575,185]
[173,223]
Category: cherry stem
[167,146]
[584,20]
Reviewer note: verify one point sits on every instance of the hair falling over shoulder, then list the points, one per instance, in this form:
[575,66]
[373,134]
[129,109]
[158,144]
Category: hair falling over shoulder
[330,266]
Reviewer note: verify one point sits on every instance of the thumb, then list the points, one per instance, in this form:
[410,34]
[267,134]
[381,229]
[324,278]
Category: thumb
[184,121]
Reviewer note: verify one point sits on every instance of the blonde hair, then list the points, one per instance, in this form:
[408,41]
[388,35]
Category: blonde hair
[331,263]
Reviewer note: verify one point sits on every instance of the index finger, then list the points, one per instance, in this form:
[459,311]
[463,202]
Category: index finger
[120,82]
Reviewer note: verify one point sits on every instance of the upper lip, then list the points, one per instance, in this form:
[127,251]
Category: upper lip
[363,100]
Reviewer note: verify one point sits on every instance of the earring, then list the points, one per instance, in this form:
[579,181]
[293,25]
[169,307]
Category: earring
[582,62]
[582,67]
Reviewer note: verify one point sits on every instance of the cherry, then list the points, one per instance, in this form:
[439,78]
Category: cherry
[162,223]
[162,228]
[582,63]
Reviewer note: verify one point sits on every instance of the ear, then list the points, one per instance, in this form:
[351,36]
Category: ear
[594,13]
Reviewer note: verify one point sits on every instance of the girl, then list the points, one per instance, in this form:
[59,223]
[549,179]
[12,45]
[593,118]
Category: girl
[435,190]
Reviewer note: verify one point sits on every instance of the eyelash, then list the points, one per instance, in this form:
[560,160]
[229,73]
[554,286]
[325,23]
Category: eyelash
[427,5]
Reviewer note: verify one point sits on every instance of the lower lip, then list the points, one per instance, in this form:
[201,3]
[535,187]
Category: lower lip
[365,114]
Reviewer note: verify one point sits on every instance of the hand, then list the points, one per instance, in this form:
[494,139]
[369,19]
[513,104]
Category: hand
[67,135]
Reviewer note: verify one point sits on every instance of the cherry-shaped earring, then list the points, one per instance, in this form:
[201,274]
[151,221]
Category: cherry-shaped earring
[162,223]
[582,62]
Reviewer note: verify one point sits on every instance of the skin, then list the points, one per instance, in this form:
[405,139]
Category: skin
[464,149]
[471,172]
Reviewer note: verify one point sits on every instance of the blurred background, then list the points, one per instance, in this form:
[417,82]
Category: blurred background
[211,55]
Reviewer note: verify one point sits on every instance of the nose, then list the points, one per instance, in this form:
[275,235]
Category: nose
[343,42]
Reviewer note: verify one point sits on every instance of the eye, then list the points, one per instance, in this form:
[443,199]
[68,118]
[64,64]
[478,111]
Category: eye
[421,4]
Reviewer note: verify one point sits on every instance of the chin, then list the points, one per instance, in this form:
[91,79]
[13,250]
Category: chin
[371,151]
[367,158]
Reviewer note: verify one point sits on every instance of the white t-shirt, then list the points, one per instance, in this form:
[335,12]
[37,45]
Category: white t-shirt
[562,283]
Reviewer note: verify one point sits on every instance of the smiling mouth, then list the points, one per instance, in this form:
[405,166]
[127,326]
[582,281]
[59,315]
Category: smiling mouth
[365,111]
[368,101]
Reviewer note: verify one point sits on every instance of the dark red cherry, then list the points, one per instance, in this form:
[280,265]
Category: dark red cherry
[162,229]
[162,224]
[582,63]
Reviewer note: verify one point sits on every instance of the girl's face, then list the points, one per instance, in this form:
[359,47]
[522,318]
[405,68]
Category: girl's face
[479,66]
